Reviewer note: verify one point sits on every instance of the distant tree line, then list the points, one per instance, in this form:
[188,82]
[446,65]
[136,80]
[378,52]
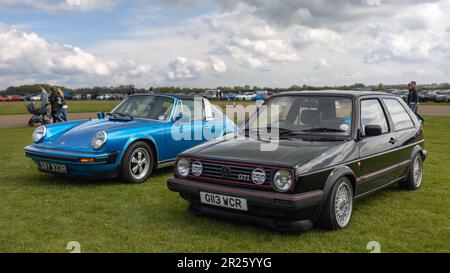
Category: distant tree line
[32,89]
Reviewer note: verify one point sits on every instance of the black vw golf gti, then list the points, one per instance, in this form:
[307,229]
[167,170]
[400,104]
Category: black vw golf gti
[331,148]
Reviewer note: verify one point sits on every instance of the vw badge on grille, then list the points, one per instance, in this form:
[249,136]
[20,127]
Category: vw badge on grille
[226,171]
[197,168]
[258,176]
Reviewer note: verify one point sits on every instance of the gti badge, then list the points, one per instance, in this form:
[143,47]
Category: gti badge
[258,176]
[197,168]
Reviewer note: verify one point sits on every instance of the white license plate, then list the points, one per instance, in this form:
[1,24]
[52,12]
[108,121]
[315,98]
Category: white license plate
[52,167]
[223,201]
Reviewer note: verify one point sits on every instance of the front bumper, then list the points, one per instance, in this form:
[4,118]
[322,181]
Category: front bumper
[90,164]
[271,205]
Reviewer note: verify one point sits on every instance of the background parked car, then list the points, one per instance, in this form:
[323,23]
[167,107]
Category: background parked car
[100,97]
[35,98]
[2,98]
[212,94]
[429,96]
[442,96]
[246,96]
[230,96]
[260,95]
[404,94]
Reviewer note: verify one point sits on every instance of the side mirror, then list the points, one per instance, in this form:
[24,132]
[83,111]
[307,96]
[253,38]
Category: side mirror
[100,115]
[373,130]
[178,117]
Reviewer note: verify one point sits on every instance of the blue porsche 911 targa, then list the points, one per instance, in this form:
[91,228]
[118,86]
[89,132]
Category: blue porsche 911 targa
[142,133]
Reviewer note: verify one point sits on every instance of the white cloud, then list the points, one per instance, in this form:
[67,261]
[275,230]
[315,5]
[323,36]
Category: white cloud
[218,65]
[256,42]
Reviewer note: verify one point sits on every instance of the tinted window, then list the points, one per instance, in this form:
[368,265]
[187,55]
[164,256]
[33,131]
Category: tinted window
[372,114]
[318,115]
[398,114]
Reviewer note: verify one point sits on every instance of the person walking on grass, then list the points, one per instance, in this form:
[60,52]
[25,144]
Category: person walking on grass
[63,110]
[56,105]
[413,99]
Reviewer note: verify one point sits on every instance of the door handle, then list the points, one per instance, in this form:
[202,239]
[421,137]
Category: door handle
[393,140]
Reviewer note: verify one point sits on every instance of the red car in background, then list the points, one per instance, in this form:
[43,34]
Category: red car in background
[14,98]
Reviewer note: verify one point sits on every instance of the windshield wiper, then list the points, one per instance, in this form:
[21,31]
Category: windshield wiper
[121,114]
[323,130]
[268,130]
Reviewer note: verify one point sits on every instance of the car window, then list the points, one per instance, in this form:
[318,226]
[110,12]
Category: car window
[194,108]
[399,116]
[216,112]
[316,115]
[151,107]
[372,114]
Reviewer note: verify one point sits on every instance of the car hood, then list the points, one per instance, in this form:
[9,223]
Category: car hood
[287,153]
[78,138]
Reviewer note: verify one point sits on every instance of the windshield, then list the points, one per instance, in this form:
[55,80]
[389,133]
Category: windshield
[305,115]
[150,107]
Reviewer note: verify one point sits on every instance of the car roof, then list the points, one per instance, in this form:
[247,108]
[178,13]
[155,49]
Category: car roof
[349,93]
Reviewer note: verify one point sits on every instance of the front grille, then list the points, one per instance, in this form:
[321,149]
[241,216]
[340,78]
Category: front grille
[231,173]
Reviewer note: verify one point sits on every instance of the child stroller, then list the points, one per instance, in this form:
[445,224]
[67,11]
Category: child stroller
[39,117]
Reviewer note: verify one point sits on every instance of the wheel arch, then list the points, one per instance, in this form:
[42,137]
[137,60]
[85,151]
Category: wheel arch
[418,149]
[149,141]
[333,177]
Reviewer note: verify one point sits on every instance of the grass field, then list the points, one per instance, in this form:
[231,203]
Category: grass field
[90,106]
[42,213]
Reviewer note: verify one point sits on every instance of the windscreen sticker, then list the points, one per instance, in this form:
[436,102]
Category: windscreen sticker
[344,127]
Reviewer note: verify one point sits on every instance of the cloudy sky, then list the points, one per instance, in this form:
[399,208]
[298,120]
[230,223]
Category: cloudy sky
[200,43]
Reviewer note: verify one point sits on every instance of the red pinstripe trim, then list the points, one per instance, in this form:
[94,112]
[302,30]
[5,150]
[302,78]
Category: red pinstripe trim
[229,181]
[383,169]
[268,195]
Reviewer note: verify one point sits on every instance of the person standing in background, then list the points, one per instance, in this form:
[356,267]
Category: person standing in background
[413,99]
[56,105]
[63,110]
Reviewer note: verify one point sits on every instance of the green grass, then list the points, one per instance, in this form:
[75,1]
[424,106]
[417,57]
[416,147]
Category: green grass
[16,108]
[42,213]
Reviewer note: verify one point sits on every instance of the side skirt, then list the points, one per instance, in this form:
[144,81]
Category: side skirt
[379,188]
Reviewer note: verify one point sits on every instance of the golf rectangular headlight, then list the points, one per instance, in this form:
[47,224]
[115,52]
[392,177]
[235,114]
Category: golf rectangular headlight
[282,181]
[99,140]
[182,167]
[39,133]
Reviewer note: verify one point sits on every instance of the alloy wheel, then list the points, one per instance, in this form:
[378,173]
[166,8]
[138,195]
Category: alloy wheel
[343,205]
[139,163]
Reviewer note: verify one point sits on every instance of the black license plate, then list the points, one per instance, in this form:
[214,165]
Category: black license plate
[52,167]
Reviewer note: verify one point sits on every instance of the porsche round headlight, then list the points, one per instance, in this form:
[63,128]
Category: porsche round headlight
[99,140]
[282,181]
[183,167]
[39,133]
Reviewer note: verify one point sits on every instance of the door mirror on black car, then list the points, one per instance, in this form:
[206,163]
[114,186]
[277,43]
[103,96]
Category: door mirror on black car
[373,130]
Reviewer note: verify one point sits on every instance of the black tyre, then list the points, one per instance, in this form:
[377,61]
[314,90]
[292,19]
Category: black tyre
[414,177]
[338,208]
[137,163]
